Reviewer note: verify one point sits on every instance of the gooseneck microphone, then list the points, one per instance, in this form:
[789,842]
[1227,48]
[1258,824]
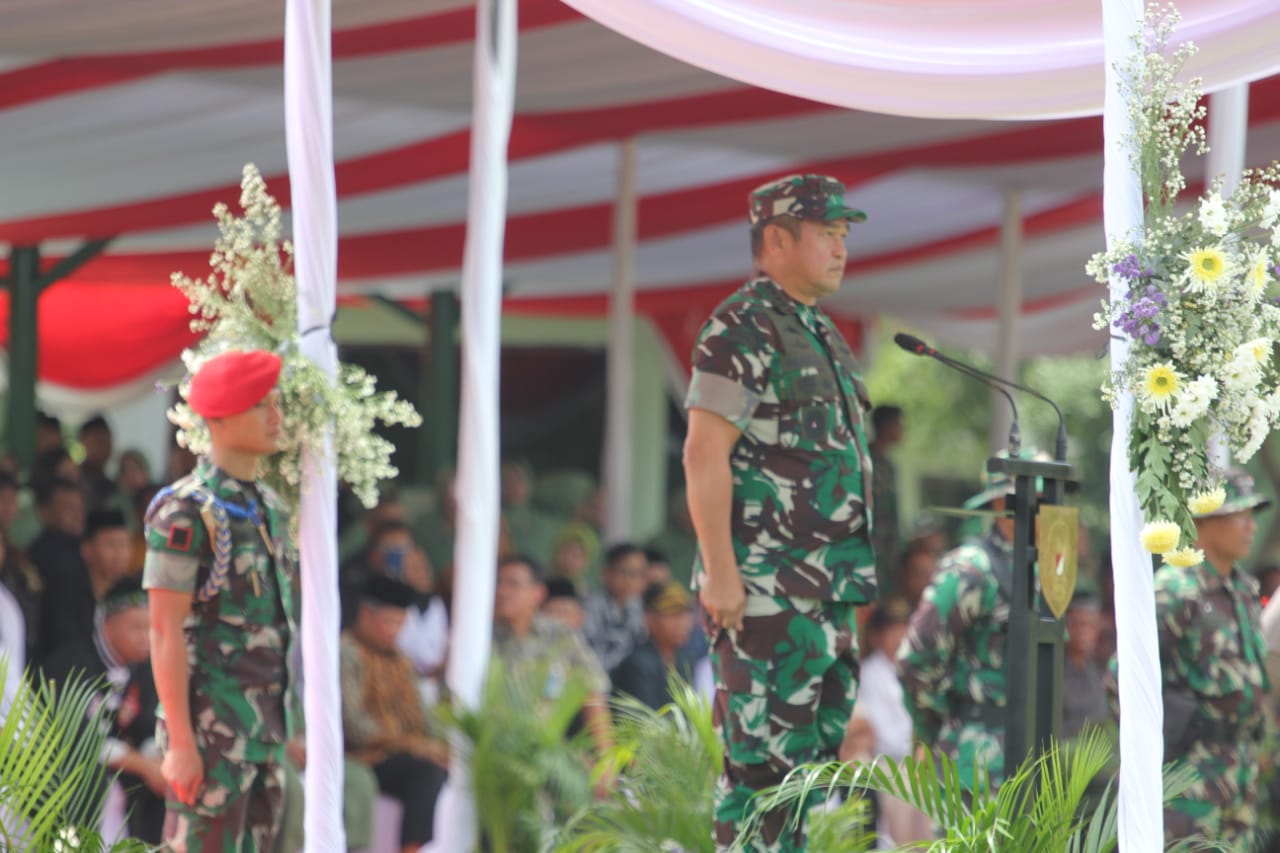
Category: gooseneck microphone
[912,344]
[916,346]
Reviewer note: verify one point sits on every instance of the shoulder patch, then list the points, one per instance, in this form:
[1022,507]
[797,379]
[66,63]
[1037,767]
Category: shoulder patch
[180,537]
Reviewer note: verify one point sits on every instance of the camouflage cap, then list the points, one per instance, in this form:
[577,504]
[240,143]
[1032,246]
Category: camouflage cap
[804,197]
[1242,495]
[999,484]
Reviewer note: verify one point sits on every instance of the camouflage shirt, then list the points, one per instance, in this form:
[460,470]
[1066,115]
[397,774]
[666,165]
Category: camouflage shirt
[238,640]
[1211,643]
[952,661]
[553,645]
[780,372]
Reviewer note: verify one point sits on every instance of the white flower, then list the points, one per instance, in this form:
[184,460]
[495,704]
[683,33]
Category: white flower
[1271,213]
[1213,215]
[1259,274]
[1257,430]
[1192,401]
[1257,350]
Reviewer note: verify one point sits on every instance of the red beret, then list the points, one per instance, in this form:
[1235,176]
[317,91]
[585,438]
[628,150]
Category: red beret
[233,382]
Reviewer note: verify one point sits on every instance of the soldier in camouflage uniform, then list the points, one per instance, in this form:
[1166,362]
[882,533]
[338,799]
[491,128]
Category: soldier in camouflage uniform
[952,661]
[223,589]
[1213,660]
[779,479]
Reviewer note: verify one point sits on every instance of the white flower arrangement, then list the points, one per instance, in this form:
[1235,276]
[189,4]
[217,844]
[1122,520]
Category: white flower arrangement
[249,302]
[1200,309]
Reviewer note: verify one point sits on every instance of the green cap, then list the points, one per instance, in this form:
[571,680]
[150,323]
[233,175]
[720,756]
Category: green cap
[803,196]
[1242,495]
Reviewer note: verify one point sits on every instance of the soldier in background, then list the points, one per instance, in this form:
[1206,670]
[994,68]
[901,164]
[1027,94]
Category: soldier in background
[779,479]
[886,421]
[223,595]
[952,661]
[1213,660]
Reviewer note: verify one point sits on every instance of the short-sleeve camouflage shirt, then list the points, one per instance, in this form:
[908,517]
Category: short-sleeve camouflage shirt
[781,372]
[1211,642]
[241,626]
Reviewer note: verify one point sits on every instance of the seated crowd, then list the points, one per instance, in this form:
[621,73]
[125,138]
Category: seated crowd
[621,618]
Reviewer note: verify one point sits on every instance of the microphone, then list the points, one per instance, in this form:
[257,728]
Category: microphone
[911,343]
[915,345]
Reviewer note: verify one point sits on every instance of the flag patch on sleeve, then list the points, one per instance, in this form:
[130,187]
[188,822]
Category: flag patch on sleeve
[179,538]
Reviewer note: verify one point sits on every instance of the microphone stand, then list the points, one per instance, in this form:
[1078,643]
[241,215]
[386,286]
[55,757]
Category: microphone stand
[1034,656]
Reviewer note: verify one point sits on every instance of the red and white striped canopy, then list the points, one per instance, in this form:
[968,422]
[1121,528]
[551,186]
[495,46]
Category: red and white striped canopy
[130,119]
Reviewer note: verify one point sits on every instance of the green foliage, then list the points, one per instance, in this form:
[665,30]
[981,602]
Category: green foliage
[50,772]
[666,763]
[1043,807]
[841,829]
[527,775]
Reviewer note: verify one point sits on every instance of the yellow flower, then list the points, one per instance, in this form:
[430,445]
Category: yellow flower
[1162,382]
[1184,558]
[1207,265]
[1161,537]
[1207,502]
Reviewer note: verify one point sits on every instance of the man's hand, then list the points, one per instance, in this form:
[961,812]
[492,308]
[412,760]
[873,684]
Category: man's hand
[724,597]
[152,776]
[296,751]
[184,772]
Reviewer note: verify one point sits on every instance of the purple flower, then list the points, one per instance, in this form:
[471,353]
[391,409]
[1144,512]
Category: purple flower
[1128,267]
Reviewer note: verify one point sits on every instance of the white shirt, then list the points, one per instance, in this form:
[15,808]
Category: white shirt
[13,639]
[425,636]
[880,702]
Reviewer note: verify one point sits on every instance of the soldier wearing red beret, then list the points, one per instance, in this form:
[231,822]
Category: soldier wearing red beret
[223,591]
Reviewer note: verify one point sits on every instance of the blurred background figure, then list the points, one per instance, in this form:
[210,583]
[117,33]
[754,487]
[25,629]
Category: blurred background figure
[563,604]
[1084,692]
[886,533]
[668,618]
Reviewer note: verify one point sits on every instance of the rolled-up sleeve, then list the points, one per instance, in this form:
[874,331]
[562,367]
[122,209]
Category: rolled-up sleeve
[731,366]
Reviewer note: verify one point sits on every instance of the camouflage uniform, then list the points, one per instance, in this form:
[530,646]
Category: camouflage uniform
[952,662]
[1211,649]
[238,634]
[1213,665]
[780,372]
[553,645]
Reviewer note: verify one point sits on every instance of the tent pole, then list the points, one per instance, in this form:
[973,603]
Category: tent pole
[620,355]
[1228,129]
[308,109]
[1010,302]
[439,436]
[1140,824]
[24,295]
[471,631]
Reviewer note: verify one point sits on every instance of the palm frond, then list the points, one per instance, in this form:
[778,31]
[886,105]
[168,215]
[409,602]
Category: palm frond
[51,780]
[665,762]
[527,773]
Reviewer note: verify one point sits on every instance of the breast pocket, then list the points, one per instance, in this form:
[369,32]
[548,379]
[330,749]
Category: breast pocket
[1215,649]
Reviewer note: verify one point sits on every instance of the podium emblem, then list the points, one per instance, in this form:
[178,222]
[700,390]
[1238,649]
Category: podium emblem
[1058,546]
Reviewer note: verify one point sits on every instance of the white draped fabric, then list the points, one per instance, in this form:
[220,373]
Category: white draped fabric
[936,58]
[1141,827]
[476,552]
[309,136]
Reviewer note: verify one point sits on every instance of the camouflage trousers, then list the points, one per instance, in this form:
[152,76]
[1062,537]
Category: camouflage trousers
[974,746]
[237,811]
[785,688]
[1222,805]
